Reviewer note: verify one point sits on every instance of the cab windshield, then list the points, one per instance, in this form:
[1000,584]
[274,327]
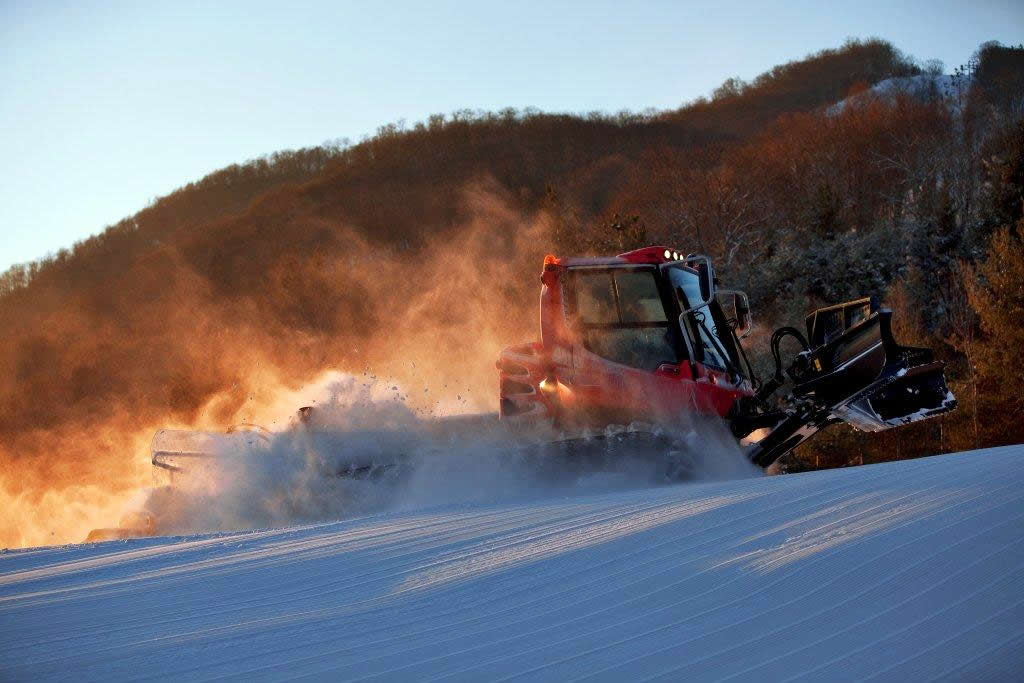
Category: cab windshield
[706,326]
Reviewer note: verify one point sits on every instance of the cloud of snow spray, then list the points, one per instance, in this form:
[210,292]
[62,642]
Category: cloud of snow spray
[419,462]
[432,318]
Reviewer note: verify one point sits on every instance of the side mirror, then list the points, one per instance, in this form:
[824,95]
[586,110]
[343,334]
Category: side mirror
[705,277]
[736,307]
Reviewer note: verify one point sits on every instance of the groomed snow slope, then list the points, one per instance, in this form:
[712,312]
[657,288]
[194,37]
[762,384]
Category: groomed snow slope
[904,571]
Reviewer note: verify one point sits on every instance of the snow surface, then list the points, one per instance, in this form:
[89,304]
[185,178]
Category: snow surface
[950,88]
[910,570]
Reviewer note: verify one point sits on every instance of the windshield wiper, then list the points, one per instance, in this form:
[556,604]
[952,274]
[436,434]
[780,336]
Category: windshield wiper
[731,369]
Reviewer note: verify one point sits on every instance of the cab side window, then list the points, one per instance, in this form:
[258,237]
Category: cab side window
[595,298]
[622,317]
[639,300]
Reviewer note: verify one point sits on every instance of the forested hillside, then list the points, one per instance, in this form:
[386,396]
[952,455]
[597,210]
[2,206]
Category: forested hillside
[413,255]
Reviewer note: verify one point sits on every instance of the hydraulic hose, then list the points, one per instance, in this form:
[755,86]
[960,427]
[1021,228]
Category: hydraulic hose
[778,378]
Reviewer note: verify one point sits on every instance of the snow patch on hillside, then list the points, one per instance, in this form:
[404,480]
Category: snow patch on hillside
[950,88]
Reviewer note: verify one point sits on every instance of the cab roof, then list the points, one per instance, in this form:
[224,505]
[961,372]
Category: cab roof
[655,255]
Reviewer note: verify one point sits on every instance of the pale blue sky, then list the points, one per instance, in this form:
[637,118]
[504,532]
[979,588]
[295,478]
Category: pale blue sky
[105,106]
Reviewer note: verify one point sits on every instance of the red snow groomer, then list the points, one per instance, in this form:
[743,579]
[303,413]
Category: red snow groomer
[633,350]
[639,346]
[649,336]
